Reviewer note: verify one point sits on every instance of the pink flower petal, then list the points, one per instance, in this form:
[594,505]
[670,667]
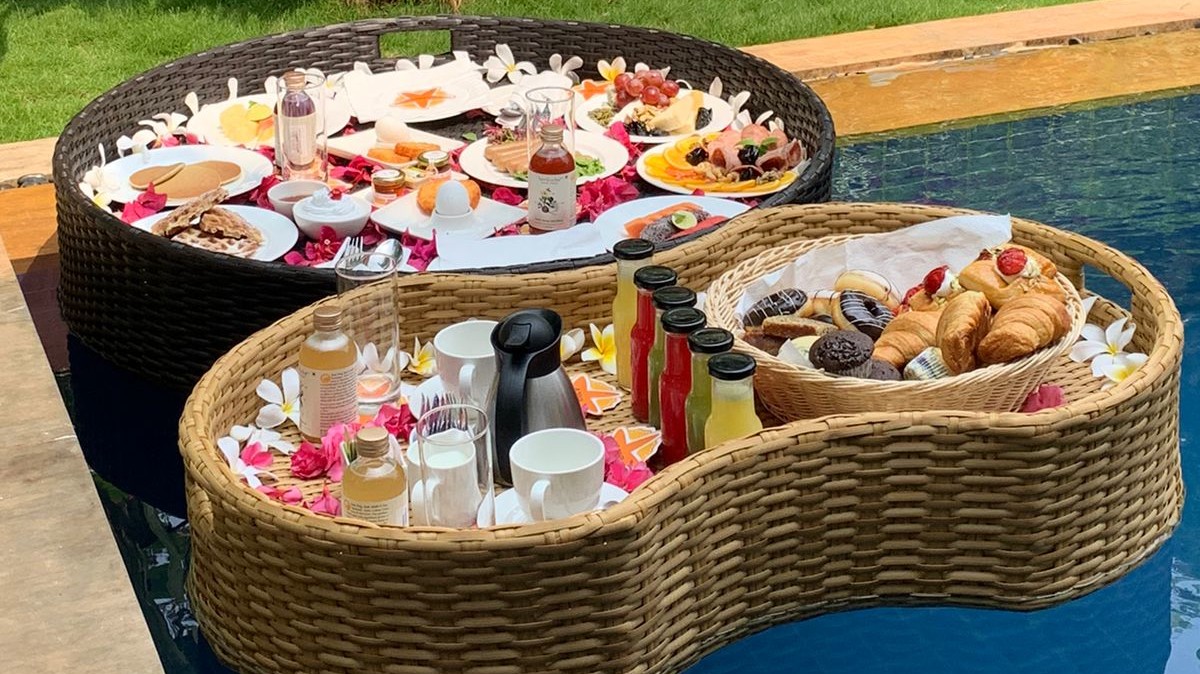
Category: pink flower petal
[398,421]
[423,252]
[507,196]
[255,455]
[326,504]
[1044,397]
[147,203]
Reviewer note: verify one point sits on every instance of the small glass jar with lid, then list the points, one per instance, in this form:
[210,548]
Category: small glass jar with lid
[387,184]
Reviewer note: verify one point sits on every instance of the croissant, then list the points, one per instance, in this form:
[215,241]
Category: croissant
[982,275]
[1023,326]
[907,335]
[963,324]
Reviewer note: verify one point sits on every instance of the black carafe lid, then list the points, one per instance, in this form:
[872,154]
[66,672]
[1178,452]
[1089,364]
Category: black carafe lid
[534,333]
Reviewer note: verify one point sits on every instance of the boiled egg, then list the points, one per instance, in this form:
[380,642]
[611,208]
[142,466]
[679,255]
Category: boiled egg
[452,200]
[391,130]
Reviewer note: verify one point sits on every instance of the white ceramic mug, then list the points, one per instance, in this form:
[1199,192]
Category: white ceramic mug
[465,359]
[449,494]
[557,472]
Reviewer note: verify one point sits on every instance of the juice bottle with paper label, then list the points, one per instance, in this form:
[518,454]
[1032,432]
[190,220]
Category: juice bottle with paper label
[328,376]
[551,183]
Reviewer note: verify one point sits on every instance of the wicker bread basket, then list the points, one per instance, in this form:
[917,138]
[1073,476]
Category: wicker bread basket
[1007,510]
[793,392]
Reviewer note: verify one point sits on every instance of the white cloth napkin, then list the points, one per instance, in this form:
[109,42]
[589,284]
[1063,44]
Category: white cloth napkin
[581,241]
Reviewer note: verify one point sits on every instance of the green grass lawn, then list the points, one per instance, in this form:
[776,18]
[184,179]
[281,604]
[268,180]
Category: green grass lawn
[56,55]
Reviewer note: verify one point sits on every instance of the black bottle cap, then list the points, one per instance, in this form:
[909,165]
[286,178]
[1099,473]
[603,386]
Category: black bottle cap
[731,366]
[653,277]
[633,249]
[673,297]
[683,320]
[710,340]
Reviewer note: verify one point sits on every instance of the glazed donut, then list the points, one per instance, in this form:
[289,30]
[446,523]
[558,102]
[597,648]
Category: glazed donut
[789,302]
[869,283]
[858,311]
[822,303]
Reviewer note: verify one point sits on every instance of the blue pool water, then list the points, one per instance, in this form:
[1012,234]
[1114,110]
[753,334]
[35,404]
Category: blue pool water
[1128,175]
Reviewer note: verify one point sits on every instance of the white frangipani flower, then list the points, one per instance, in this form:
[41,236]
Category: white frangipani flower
[369,359]
[246,462]
[264,436]
[1120,367]
[141,141]
[609,71]
[424,62]
[502,64]
[1102,346]
[566,68]
[99,198]
[192,101]
[282,404]
[639,67]
[571,343]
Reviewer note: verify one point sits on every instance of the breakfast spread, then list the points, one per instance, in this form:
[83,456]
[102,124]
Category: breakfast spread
[1000,308]
[753,159]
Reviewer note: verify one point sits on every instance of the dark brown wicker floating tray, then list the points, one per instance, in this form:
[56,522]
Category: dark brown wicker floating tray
[166,311]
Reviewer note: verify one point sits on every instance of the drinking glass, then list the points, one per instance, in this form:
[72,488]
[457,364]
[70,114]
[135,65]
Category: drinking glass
[549,105]
[450,468]
[300,150]
[370,320]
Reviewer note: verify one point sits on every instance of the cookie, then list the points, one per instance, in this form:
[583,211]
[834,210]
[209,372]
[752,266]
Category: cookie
[227,170]
[190,182]
[844,352]
[142,178]
[758,339]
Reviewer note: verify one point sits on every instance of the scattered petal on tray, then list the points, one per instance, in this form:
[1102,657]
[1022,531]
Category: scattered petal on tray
[595,396]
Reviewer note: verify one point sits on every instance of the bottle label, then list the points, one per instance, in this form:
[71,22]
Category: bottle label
[327,397]
[551,200]
[300,139]
[393,511]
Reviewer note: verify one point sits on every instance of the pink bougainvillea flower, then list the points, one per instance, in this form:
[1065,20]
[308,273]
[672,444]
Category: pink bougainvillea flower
[357,171]
[326,503]
[508,230]
[308,462]
[619,133]
[256,456]
[1044,397]
[372,235]
[423,252]
[336,446]
[507,196]
[147,203]
[600,195]
[266,151]
[398,421]
[627,477]
[315,252]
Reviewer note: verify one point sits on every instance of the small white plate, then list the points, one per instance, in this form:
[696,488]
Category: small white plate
[404,215]
[360,143]
[611,154]
[508,506]
[611,223]
[255,167]
[374,96]
[722,116]
[683,189]
[207,121]
[279,233]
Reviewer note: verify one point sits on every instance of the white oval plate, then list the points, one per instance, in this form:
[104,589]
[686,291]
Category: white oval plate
[279,233]
[612,154]
[255,167]
[722,116]
[360,143]
[207,122]
[611,223]
[680,189]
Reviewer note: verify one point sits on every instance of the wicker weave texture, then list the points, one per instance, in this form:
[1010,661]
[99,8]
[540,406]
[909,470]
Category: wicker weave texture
[1001,510]
[166,311]
[792,392]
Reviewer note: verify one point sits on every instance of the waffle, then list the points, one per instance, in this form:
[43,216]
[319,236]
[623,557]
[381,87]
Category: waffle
[216,243]
[181,218]
[226,224]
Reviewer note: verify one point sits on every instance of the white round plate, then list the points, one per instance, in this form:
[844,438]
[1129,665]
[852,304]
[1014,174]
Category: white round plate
[722,116]
[374,96]
[255,167]
[611,223]
[681,189]
[207,122]
[508,506]
[612,154]
[279,233]
[403,215]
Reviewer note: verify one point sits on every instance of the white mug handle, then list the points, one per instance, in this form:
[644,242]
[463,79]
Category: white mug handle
[466,381]
[420,502]
[537,500]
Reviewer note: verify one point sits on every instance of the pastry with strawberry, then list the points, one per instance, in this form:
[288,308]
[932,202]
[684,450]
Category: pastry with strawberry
[1009,272]
[938,286]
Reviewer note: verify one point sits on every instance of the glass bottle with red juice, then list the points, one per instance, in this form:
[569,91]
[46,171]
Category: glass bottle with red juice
[646,280]
[676,383]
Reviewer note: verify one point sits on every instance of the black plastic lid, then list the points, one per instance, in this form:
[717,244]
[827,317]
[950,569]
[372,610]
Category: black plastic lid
[673,297]
[653,277]
[731,366]
[633,249]
[683,320]
[530,332]
[710,340]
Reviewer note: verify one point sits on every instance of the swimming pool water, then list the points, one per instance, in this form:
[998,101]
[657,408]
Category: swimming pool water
[1128,175]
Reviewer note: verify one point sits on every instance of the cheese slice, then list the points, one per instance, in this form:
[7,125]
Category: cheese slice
[680,116]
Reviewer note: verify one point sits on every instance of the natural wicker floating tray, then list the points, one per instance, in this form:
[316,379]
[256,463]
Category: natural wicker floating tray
[166,311]
[1001,510]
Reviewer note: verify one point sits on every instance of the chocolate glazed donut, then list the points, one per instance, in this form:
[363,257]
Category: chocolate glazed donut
[791,301]
[858,311]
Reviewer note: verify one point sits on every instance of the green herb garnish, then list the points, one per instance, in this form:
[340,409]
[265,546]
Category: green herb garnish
[587,166]
[471,136]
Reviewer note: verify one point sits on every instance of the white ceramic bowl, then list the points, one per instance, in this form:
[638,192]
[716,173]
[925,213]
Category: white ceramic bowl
[291,189]
[349,224]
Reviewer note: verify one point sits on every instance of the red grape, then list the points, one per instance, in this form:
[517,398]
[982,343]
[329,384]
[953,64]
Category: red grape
[663,100]
[650,92]
[635,87]
[654,78]
[622,80]
[670,88]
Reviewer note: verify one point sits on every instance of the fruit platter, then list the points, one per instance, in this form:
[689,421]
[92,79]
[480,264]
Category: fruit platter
[632,133]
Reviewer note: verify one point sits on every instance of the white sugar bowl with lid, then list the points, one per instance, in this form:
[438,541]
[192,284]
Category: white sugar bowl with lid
[345,215]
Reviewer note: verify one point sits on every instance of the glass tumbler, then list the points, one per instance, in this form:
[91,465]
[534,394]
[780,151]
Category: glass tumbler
[300,150]
[370,319]
[450,468]
[549,105]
